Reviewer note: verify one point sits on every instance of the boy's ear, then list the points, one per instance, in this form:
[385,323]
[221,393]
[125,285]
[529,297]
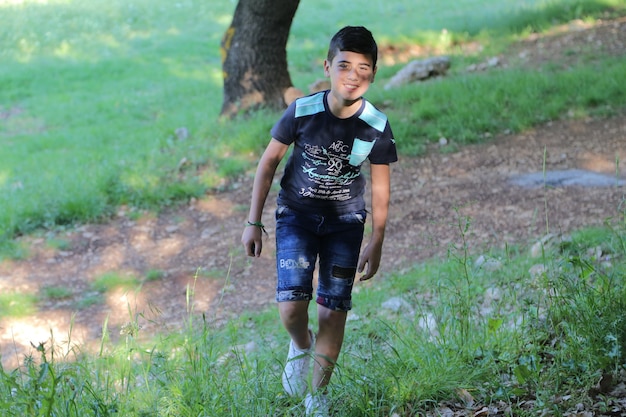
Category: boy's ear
[326,68]
[374,74]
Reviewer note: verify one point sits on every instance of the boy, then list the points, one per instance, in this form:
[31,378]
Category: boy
[321,209]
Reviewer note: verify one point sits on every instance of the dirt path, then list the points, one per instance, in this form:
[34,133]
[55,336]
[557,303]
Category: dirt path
[197,246]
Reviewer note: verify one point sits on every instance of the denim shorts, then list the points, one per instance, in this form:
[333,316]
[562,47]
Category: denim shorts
[302,239]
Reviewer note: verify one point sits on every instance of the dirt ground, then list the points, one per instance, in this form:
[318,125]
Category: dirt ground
[197,247]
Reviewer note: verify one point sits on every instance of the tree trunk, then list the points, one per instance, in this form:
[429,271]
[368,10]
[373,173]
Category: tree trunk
[254,56]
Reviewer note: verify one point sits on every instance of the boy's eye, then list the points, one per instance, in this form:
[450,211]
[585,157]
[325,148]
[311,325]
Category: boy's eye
[361,69]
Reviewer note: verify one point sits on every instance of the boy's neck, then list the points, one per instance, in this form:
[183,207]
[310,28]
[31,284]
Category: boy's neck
[342,109]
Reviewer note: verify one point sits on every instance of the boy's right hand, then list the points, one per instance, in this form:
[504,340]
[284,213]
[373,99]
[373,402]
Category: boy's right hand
[252,241]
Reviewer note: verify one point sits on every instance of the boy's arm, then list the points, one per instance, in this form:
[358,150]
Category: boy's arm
[380,207]
[252,235]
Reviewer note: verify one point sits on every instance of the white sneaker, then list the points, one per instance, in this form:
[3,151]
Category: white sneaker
[316,405]
[296,371]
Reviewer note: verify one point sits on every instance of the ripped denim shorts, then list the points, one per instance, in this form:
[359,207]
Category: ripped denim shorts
[301,240]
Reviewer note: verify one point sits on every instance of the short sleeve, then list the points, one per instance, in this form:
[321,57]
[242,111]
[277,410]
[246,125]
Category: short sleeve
[384,151]
[284,130]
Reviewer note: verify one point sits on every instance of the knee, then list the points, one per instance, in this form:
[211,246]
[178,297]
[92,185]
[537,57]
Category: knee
[291,312]
[330,337]
[331,318]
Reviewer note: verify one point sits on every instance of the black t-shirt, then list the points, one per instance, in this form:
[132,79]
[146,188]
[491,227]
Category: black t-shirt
[323,174]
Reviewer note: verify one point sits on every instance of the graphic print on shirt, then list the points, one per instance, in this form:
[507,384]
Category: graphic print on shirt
[323,174]
[329,171]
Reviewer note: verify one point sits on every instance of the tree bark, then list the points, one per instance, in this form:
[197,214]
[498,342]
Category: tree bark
[254,56]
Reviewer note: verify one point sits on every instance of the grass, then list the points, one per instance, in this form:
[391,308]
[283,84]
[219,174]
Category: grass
[486,336]
[110,281]
[56,292]
[154,275]
[509,101]
[17,304]
[94,95]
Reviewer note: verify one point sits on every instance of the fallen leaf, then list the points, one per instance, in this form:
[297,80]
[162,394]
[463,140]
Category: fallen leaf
[465,396]
[483,412]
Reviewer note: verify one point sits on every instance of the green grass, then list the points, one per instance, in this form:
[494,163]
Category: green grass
[17,304]
[89,299]
[490,335]
[472,107]
[92,94]
[110,281]
[56,292]
[59,244]
[154,275]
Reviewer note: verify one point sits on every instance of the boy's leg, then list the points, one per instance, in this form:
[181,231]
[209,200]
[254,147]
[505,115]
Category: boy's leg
[328,344]
[339,255]
[295,318]
[296,255]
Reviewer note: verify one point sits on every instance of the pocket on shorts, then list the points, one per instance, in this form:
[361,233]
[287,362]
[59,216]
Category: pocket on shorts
[282,211]
[357,217]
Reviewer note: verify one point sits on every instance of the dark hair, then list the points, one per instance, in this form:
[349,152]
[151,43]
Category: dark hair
[353,39]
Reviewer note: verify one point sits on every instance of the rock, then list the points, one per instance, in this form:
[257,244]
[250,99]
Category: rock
[488,264]
[181,133]
[208,232]
[445,412]
[420,70]
[537,270]
[353,317]
[397,305]
[492,294]
[490,63]
[493,62]
[595,253]
[565,178]
[537,250]
[236,351]
[171,229]
[428,323]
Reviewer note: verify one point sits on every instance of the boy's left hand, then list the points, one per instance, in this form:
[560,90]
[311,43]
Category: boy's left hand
[371,256]
[252,241]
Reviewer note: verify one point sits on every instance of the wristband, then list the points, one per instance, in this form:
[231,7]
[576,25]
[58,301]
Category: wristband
[259,225]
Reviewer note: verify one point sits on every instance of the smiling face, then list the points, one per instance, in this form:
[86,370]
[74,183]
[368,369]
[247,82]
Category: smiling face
[351,74]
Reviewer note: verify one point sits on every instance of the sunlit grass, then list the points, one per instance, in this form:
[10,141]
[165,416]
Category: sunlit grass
[497,335]
[16,304]
[91,96]
[110,281]
[93,93]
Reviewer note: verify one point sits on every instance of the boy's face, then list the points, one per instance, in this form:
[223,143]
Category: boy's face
[351,74]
